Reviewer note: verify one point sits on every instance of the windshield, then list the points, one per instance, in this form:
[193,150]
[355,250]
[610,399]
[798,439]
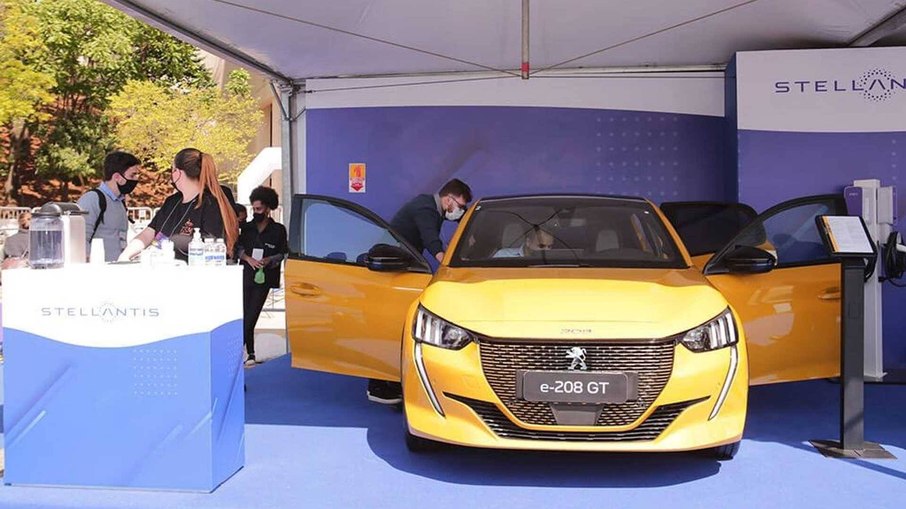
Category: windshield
[566,231]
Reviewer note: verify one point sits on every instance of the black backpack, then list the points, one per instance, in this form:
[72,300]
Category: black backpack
[102,203]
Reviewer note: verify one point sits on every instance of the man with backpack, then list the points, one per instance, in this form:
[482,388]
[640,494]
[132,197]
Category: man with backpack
[108,217]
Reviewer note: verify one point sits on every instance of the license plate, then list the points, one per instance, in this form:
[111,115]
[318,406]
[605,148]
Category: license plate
[590,387]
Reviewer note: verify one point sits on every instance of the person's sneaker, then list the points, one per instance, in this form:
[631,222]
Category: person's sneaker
[385,393]
[250,361]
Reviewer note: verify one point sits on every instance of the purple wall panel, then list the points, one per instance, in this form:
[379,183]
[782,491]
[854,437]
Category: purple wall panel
[513,150]
[777,166]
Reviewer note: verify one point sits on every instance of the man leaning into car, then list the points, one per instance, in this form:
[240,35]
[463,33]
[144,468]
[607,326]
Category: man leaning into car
[419,222]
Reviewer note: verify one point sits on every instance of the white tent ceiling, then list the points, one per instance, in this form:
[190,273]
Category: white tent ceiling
[300,39]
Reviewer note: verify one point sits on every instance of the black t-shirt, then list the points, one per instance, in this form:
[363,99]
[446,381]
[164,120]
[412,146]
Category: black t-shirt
[272,240]
[177,221]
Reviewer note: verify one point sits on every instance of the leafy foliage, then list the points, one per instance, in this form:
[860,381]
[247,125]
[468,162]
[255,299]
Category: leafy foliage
[155,122]
[24,87]
[61,61]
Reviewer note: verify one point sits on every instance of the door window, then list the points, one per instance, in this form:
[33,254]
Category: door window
[332,230]
[789,232]
[705,227]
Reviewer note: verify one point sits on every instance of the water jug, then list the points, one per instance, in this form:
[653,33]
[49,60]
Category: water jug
[45,239]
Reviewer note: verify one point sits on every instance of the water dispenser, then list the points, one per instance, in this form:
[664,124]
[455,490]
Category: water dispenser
[59,238]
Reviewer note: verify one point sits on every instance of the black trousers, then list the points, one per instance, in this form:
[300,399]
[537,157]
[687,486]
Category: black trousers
[253,299]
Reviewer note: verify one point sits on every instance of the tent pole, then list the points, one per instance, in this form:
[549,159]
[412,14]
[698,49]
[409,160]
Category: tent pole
[290,135]
[525,68]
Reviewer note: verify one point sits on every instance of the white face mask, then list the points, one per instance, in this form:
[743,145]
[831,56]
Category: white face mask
[455,215]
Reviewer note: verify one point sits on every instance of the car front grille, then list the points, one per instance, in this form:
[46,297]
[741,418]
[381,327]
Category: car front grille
[652,361]
[662,417]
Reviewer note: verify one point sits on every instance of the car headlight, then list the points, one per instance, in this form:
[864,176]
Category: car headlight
[431,329]
[717,333]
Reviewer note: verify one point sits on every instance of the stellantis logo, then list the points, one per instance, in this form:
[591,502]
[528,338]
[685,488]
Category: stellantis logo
[874,85]
[105,312]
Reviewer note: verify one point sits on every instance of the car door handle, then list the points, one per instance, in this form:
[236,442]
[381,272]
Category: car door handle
[832,293]
[305,290]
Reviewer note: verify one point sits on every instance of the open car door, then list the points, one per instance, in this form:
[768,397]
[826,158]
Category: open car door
[705,227]
[781,280]
[349,283]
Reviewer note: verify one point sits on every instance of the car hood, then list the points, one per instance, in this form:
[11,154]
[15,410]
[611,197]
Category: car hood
[573,303]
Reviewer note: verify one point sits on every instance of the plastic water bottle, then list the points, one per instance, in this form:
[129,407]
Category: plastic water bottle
[168,252]
[196,250]
[220,253]
[209,252]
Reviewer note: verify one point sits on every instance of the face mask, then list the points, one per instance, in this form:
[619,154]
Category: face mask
[259,217]
[455,215]
[174,181]
[128,186]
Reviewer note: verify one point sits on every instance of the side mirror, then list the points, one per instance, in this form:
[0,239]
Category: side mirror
[387,258]
[749,260]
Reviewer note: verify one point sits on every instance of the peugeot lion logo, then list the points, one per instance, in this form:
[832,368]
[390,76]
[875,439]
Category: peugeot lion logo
[577,355]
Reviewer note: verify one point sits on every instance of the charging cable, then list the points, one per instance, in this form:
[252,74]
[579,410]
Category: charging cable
[894,260]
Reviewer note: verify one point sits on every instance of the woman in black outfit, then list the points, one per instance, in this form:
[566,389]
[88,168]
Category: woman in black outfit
[261,273]
[199,202]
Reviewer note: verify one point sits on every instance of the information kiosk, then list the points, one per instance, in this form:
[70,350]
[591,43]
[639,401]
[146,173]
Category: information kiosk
[847,239]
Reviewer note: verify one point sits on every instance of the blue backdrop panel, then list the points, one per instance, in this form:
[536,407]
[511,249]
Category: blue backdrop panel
[513,150]
[164,415]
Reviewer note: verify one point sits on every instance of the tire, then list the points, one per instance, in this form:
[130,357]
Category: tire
[725,452]
[419,445]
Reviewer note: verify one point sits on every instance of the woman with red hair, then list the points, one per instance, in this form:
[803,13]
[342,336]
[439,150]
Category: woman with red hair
[198,203]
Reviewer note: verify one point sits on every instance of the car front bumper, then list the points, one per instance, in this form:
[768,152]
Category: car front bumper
[448,398]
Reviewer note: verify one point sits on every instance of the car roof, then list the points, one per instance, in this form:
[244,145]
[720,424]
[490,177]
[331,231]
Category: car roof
[615,197]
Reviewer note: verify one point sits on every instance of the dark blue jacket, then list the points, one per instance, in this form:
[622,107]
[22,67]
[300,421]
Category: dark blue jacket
[419,222]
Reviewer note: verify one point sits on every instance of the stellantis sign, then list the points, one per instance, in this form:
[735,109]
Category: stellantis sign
[847,90]
[874,85]
[105,312]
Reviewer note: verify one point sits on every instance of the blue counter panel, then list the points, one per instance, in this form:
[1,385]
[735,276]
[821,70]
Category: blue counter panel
[164,415]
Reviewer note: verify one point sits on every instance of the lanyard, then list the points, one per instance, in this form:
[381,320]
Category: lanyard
[181,221]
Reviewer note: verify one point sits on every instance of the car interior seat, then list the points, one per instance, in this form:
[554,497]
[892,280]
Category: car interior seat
[514,235]
[607,240]
[793,250]
[336,255]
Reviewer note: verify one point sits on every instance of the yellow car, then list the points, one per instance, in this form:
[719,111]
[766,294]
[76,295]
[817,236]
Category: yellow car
[567,322]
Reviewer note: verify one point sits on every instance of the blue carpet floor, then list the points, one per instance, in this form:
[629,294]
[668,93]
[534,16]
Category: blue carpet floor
[313,441]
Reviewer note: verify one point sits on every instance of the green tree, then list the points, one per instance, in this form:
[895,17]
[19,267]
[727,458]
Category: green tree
[25,89]
[91,52]
[155,122]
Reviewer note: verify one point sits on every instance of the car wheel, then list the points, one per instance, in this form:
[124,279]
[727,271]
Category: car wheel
[725,452]
[418,444]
